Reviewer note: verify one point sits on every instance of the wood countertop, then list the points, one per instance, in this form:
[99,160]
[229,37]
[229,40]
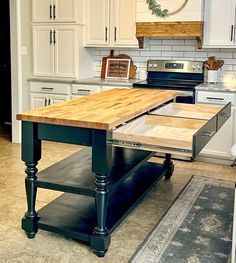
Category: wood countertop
[104,110]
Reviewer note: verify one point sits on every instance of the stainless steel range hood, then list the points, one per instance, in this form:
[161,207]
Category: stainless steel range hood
[170,29]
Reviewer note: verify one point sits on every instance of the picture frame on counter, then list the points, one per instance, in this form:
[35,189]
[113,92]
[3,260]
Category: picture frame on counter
[117,68]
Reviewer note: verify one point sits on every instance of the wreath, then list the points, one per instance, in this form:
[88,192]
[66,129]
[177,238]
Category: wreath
[156,9]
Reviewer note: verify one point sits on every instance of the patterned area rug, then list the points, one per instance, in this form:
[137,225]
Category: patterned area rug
[196,229]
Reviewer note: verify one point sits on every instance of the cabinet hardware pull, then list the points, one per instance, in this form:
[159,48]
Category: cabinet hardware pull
[212,98]
[207,133]
[224,114]
[115,33]
[232,31]
[46,88]
[50,11]
[54,37]
[49,102]
[83,91]
[45,102]
[106,34]
[50,37]
[54,11]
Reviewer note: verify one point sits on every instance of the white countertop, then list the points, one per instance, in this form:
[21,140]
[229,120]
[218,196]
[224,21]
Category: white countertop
[89,81]
[219,86]
[99,81]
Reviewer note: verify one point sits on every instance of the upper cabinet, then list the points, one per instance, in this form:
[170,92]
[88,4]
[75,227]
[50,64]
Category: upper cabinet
[219,23]
[110,23]
[59,11]
[55,51]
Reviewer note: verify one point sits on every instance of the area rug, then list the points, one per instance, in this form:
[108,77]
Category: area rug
[196,229]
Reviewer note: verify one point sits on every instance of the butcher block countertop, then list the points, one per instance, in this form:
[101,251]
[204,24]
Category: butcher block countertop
[104,110]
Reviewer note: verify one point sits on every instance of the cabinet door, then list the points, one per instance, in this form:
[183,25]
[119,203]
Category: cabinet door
[65,10]
[42,10]
[123,26]
[38,100]
[53,99]
[222,142]
[219,23]
[97,22]
[65,43]
[43,51]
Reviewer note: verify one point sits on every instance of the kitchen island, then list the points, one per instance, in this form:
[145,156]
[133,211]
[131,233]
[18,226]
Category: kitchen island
[104,181]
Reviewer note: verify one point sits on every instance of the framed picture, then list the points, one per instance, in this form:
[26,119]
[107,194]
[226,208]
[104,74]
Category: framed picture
[117,68]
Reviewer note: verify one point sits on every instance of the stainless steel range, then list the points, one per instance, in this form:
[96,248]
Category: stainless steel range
[181,76]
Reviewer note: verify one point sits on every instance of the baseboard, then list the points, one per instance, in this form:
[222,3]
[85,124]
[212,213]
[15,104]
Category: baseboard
[201,158]
[214,159]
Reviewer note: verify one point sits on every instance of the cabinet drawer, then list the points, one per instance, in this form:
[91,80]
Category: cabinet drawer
[220,98]
[223,115]
[83,90]
[169,133]
[48,87]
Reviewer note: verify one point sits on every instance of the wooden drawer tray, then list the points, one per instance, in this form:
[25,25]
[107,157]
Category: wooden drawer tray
[195,111]
[168,130]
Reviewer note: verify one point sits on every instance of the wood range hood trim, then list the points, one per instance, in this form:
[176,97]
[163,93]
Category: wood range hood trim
[170,29]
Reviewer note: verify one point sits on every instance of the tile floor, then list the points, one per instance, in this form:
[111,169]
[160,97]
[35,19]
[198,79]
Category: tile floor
[49,247]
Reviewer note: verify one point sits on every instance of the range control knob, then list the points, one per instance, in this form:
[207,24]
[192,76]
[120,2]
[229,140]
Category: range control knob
[155,65]
[194,66]
[150,65]
[199,67]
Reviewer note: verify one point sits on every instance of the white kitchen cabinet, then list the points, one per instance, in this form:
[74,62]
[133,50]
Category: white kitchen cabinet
[110,23]
[45,93]
[42,100]
[81,90]
[221,143]
[58,11]
[55,51]
[219,23]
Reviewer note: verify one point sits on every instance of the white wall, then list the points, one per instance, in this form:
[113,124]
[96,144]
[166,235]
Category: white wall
[175,49]
[26,41]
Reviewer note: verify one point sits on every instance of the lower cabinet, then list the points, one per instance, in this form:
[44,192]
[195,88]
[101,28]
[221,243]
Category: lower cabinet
[81,90]
[222,142]
[41,100]
[44,93]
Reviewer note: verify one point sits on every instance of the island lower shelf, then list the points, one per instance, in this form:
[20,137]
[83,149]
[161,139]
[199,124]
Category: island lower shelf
[75,216]
[74,173]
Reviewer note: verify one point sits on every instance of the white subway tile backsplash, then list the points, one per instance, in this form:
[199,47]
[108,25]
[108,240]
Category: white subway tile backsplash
[190,42]
[172,48]
[195,54]
[161,48]
[172,54]
[184,48]
[173,42]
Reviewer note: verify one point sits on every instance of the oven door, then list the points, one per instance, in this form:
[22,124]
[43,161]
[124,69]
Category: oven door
[185,97]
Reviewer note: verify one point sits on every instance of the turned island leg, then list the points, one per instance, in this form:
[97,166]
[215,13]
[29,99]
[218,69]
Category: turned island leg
[31,154]
[169,166]
[101,159]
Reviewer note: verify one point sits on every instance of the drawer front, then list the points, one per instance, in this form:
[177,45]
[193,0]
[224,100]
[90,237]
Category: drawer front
[85,90]
[159,133]
[48,87]
[203,136]
[173,134]
[223,115]
[220,98]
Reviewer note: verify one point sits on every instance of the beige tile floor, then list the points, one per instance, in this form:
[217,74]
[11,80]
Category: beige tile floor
[49,247]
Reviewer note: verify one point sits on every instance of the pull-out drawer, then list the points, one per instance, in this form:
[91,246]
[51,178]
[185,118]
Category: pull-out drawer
[168,130]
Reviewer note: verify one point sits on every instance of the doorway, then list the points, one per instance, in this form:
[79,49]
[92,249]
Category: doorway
[5,72]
